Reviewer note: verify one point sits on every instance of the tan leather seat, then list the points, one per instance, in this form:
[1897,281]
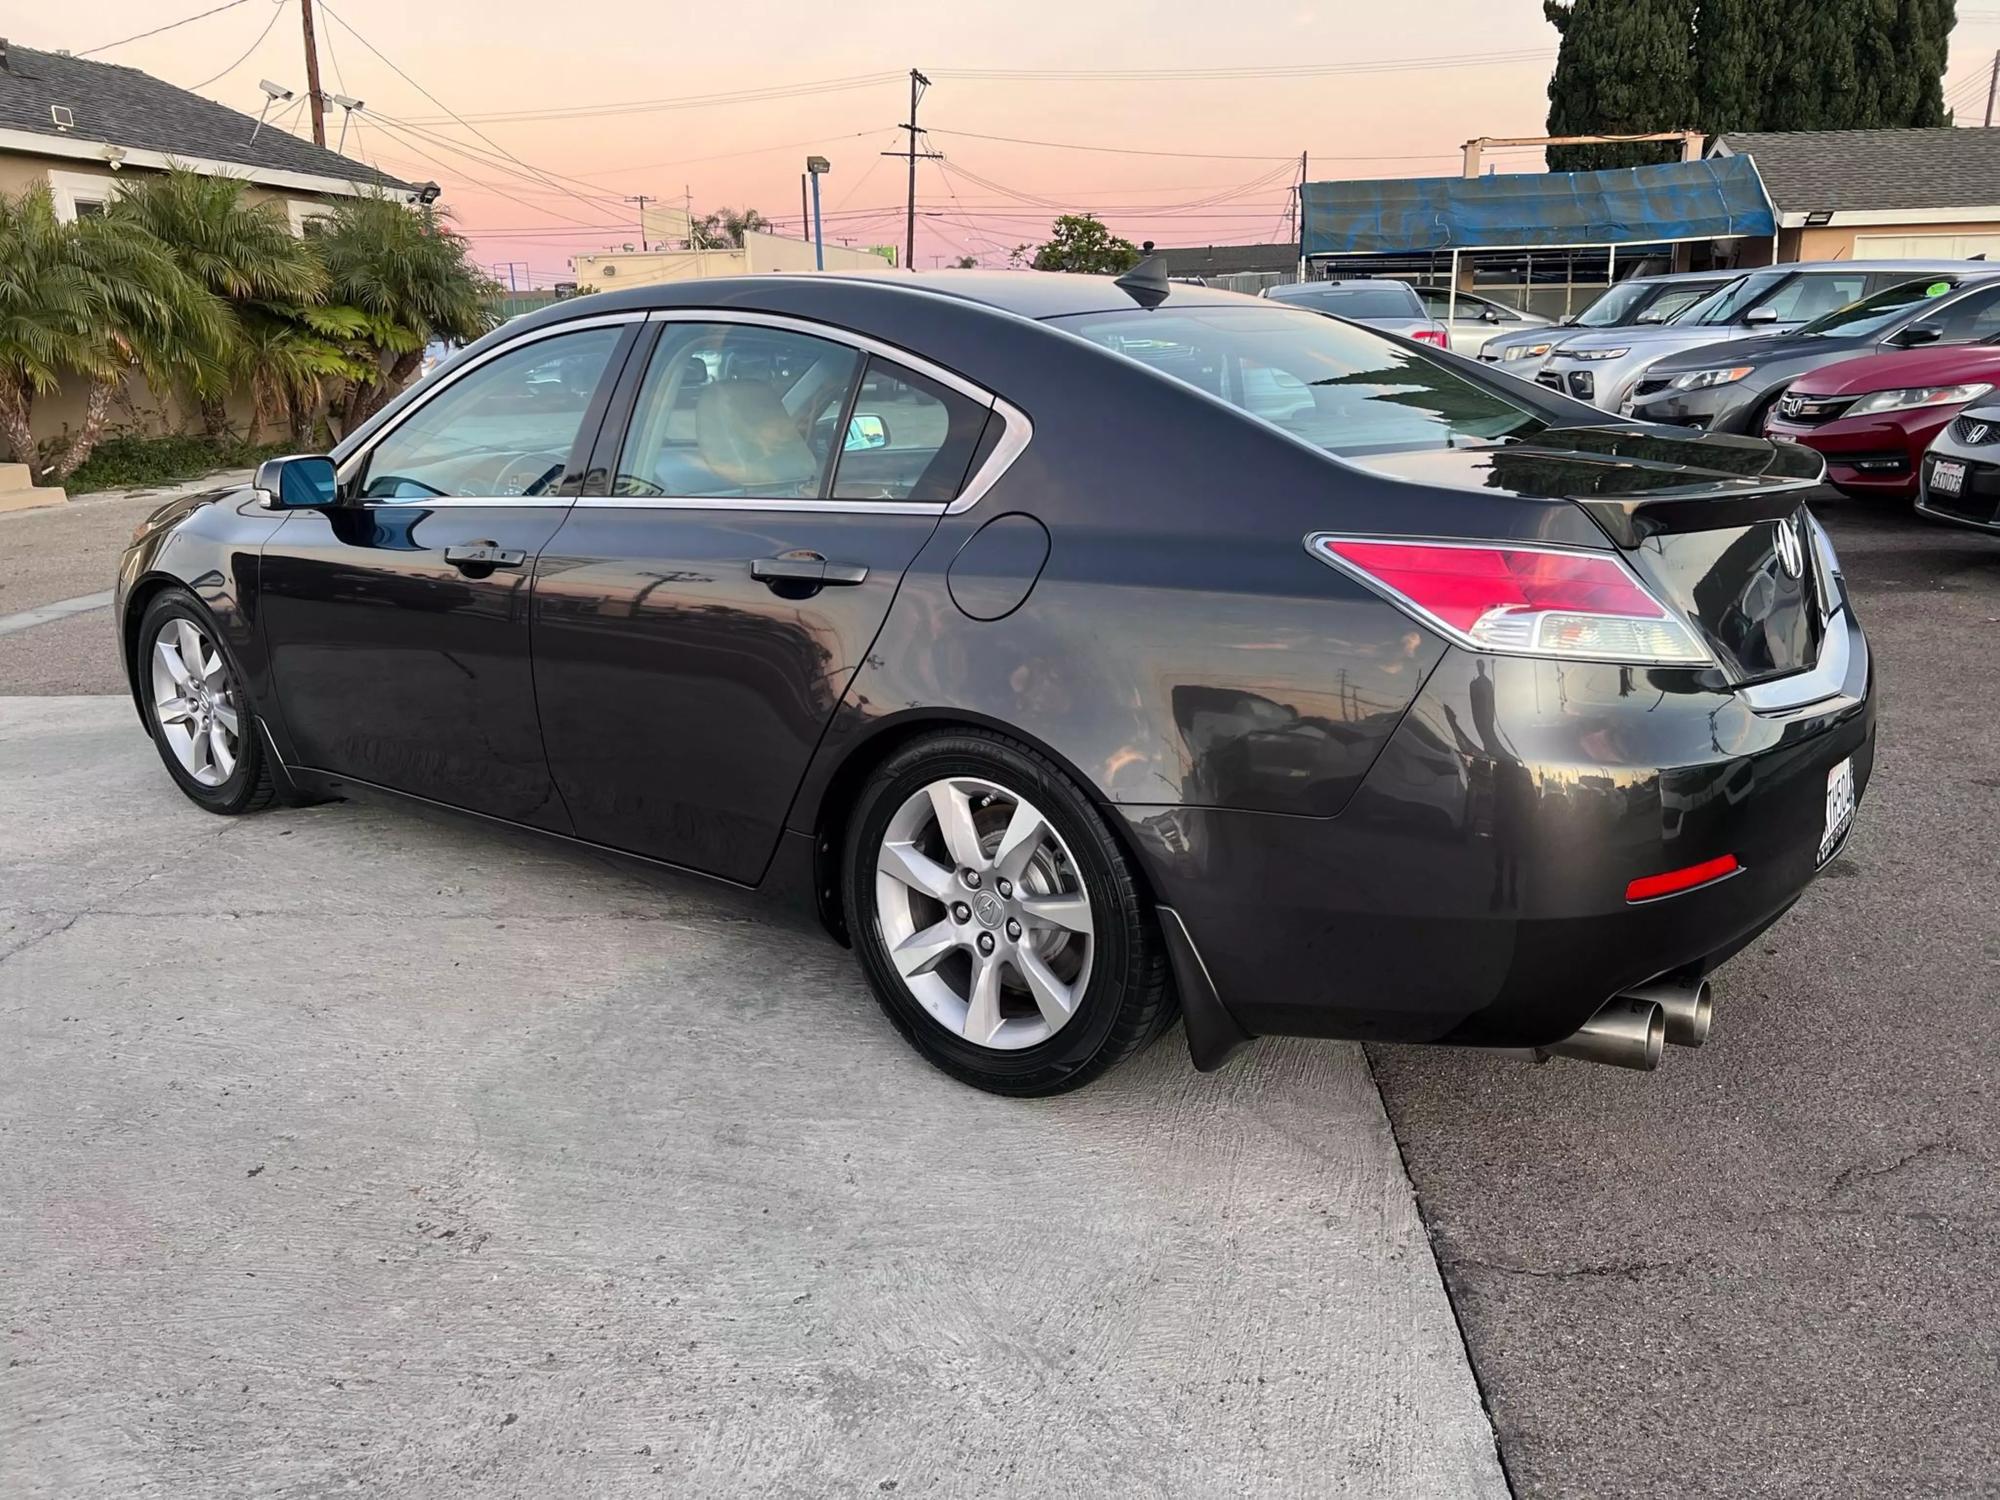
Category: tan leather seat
[745,435]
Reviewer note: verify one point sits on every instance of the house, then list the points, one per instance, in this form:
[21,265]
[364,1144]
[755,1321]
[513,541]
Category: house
[1875,194]
[83,127]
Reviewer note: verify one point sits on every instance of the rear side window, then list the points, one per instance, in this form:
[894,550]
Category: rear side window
[908,438]
[1389,299]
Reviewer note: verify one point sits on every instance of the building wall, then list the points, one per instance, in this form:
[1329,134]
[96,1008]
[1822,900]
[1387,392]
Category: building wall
[760,253]
[1944,240]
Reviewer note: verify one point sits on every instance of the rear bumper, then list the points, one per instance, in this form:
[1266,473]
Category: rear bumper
[1473,890]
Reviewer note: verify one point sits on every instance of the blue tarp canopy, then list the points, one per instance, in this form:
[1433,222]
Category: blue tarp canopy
[1714,198]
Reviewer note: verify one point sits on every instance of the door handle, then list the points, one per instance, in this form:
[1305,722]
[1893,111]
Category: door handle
[809,569]
[468,555]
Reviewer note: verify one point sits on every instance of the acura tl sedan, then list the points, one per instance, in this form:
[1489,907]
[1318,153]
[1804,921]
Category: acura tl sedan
[1083,652]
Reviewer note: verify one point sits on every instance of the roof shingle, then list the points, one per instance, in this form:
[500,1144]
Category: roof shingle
[1848,170]
[124,107]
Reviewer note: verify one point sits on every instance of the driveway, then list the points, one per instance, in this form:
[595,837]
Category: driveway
[342,1150]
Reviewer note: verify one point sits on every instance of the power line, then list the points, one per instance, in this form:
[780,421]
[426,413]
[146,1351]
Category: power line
[141,36]
[277,10]
[395,133]
[759,95]
[1301,70]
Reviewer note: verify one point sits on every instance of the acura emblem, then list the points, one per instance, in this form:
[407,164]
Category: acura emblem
[1791,553]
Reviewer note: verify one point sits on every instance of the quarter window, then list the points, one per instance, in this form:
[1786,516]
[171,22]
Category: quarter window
[733,410]
[503,429]
[908,438]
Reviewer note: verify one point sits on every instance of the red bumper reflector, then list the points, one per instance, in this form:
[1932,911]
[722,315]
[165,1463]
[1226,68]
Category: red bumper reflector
[1649,886]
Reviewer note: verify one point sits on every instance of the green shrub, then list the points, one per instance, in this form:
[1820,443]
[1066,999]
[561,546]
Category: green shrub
[123,462]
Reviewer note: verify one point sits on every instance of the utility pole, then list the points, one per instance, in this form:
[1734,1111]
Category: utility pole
[312,75]
[642,200]
[918,83]
[805,212]
[1992,87]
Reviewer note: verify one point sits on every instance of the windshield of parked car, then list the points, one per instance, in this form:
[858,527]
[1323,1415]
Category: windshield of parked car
[1387,299]
[1615,306]
[1732,300]
[1340,387]
[1875,312]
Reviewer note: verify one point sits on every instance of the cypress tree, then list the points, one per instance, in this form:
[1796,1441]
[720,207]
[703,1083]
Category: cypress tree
[1624,67]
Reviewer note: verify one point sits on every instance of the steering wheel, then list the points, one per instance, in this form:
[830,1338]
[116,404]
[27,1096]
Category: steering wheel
[537,472]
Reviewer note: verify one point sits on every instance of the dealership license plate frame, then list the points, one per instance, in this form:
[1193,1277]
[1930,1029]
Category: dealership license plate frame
[1840,807]
[1948,477]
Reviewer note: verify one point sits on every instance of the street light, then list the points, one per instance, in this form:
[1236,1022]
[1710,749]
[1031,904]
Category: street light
[816,167]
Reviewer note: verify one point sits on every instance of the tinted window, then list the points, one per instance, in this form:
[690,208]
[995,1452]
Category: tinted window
[1344,388]
[1872,314]
[1614,305]
[1973,318]
[1673,301]
[1732,300]
[1816,293]
[505,428]
[732,410]
[1437,300]
[908,438]
[1387,299]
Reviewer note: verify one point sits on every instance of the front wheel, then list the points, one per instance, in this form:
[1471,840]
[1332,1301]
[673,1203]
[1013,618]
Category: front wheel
[997,920]
[196,709]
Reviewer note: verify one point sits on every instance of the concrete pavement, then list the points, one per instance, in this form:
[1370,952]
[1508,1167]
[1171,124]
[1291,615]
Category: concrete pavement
[345,1150]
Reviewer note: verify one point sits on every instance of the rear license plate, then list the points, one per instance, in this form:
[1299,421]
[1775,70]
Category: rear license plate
[1948,478]
[1839,808]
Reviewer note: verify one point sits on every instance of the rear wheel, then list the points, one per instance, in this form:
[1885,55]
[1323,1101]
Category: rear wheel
[997,920]
[196,711]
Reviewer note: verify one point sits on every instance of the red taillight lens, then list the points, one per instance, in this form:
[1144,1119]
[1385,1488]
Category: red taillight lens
[1432,336]
[1534,601]
[1649,886]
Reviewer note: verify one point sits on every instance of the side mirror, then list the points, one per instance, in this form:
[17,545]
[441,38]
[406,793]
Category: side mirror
[1915,334]
[304,480]
[1761,315]
[1490,315]
[865,430]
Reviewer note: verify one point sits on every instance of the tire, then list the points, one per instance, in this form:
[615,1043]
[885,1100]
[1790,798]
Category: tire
[906,890]
[219,772]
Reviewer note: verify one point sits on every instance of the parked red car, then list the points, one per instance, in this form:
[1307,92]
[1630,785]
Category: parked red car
[1873,417]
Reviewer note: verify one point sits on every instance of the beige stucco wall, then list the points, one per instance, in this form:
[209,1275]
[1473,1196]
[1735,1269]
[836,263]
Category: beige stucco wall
[760,253]
[1888,241]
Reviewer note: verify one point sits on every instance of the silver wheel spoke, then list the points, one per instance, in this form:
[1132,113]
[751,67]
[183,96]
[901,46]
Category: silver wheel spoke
[982,1011]
[1053,998]
[194,703]
[175,710]
[169,656]
[920,952]
[188,640]
[220,751]
[1068,913]
[907,864]
[226,717]
[954,819]
[1018,844]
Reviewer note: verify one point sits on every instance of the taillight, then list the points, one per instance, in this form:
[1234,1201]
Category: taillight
[1526,601]
[1432,336]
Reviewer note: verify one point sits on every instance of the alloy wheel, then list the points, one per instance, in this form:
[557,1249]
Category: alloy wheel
[195,702]
[983,913]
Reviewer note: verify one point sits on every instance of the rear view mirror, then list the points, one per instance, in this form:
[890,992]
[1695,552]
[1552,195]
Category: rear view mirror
[865,430]
[302,481]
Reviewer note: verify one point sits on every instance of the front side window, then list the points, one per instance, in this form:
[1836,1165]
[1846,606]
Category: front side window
[503,429]
[1874,313]
[1815,294]
[737,411]
[908,438]
[1974,318]
[1343,388]
[1733,300]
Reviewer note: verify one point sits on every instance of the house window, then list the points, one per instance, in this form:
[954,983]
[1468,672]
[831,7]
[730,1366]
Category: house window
[88,208]
[81,195]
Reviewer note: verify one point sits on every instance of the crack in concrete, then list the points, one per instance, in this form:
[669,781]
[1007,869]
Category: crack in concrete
[1562,1273]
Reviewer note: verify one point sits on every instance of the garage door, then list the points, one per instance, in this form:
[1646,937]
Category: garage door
[1926,246]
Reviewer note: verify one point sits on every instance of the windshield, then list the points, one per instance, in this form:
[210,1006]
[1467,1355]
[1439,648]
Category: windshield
[1615,306]
[1342,388]
[1874,313]
[1391,299]
[1732,301]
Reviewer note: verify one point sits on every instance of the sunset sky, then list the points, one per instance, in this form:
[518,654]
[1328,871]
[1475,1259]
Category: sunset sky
[599,96]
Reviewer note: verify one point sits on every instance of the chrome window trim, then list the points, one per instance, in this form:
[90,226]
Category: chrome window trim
[448,378]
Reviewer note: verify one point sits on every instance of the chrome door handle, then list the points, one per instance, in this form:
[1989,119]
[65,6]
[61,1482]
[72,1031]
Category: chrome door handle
[469,555]
[815,570]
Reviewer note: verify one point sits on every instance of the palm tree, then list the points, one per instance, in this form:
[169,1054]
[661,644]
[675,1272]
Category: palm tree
[90,298]
[409,277]
[724,229]
[245,254]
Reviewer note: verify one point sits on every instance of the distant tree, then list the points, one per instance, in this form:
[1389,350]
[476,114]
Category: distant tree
[1079,242]
[1730,64]
[966,263]
[1625,67]
[1854,64]
[724,229]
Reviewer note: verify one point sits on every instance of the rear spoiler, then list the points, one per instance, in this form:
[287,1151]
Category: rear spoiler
[1730,481]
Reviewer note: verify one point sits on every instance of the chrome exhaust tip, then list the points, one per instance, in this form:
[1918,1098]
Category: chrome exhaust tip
[1687,1004]
[1626,1033]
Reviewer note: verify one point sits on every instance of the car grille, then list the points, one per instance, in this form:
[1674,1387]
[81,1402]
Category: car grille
[1979,501]
[1647,388]
[1550,379]
[1582,384]
[1811,411]
[1972,431]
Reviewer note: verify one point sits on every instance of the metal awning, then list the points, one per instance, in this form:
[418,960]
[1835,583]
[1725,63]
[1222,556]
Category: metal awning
[1715,198]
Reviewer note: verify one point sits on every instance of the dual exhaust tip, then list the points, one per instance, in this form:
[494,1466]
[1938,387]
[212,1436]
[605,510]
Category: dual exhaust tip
[1635,1028]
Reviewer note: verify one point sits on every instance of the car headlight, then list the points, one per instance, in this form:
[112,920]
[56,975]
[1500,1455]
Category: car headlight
[1525,351]
[1701,380]
[1597,353]
[1918,395]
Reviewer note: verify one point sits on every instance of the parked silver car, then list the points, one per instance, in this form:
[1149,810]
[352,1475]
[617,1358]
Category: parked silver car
[1641,301]
[1602,367]
[1391,306]
[1474,322]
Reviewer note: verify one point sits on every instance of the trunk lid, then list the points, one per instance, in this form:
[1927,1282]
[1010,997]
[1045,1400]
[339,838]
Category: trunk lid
[1712,523]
